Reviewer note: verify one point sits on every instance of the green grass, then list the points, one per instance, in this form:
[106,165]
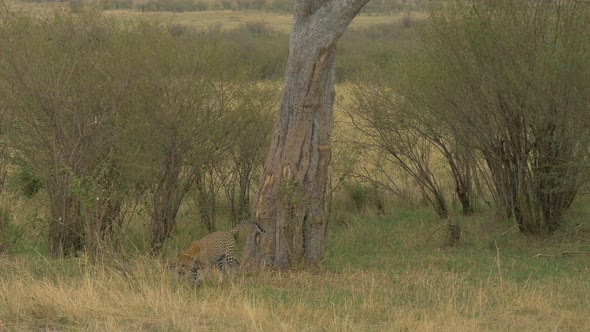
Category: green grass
[381,273]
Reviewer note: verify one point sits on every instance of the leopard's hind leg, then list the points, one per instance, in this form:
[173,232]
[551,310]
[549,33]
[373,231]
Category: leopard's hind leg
[226,264]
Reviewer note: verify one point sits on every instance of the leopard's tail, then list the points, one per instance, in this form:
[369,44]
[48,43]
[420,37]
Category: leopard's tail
[236,229]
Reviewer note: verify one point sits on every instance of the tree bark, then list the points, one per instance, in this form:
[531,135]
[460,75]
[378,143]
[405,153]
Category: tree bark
[290,201]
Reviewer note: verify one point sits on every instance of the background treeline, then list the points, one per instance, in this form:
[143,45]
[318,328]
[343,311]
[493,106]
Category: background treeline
[374,7]
[258,42]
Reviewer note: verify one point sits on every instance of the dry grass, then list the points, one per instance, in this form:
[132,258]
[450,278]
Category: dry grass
[373,280]
[103,299]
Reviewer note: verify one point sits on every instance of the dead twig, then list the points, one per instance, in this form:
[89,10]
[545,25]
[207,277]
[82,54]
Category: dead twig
[563,254]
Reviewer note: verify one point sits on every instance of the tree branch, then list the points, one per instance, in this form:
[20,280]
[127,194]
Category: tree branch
[337,15]
[329,18]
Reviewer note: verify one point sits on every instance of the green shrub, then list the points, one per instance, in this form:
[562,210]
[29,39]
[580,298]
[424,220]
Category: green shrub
[10,233]
[25,182]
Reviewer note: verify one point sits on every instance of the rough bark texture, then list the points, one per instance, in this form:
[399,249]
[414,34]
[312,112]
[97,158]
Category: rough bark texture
[290,200]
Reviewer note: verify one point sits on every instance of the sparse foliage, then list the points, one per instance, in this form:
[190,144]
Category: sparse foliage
[398,138]
[509,79]
[103,110]
[63,115]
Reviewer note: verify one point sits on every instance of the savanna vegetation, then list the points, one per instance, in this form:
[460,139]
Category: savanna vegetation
[375,7]
[457,190]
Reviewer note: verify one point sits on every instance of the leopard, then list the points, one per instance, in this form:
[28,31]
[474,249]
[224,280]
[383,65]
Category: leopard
[215,250]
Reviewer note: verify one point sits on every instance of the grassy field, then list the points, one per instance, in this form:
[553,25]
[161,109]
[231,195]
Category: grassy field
[381,274]
[224,19]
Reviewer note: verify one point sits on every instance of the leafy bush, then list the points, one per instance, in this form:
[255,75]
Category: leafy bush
[141,113]
[25,182]
[10,232]
[498,76]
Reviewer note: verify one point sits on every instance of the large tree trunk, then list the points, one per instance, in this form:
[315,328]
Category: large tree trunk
[290,201]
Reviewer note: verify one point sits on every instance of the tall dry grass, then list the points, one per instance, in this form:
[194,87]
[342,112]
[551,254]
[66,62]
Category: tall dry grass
[435,289]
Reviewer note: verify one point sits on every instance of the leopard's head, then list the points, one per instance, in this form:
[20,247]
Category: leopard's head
[184,264]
